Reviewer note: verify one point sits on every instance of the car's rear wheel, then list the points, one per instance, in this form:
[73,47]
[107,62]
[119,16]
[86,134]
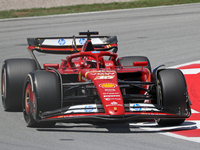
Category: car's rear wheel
[14,72]
[173,95]
[41,93]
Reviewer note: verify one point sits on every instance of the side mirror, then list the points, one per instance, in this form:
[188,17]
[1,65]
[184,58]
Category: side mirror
[140,63]
[56,66]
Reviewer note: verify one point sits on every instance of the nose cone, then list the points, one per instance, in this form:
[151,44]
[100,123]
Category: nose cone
[115,110]
[109,92]
[111,97]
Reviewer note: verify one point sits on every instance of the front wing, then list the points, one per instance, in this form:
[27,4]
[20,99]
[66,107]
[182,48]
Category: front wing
[95,113]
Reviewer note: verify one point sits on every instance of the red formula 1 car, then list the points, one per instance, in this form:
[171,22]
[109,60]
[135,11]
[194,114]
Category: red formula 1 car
[92,84]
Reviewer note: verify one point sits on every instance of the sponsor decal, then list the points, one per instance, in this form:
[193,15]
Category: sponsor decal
[95,52]
[108,85]
[104,77]
[143,107]
[88,108]
[79,76]
[82,109]
[146,113]
[82,41]
[105,73]
[111,96]
[137,107]
[100,73]
[61,41]
[114,104]
[110,93]
[110,99]
[109,90]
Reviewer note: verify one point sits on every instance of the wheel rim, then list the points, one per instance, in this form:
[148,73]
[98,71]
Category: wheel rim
[28,99]
[3,88]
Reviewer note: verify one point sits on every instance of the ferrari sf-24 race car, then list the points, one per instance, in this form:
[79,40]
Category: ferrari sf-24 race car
[92,84]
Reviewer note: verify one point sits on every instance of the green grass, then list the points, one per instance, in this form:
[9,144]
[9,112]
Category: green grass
[90,8]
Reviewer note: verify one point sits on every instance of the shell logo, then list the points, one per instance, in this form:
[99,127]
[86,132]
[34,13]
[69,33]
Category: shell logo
[108,85]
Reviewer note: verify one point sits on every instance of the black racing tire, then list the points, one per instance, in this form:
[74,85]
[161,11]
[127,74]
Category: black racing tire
[173,95]
[41,93]
[128,61]
[14,72]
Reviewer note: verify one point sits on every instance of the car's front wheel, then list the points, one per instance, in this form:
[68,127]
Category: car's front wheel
[172,95]
[41,93]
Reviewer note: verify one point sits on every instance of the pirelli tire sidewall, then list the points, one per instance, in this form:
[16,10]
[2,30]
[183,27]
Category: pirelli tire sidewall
[14,72]
[46,89]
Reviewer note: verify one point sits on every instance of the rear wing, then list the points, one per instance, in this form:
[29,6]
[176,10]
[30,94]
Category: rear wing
[69,45]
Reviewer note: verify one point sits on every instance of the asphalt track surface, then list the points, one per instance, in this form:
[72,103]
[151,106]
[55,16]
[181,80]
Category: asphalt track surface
[166,35]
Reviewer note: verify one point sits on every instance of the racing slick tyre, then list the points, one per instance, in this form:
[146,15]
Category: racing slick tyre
[14,72]
[172,95]
[41,93]
[128,61]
